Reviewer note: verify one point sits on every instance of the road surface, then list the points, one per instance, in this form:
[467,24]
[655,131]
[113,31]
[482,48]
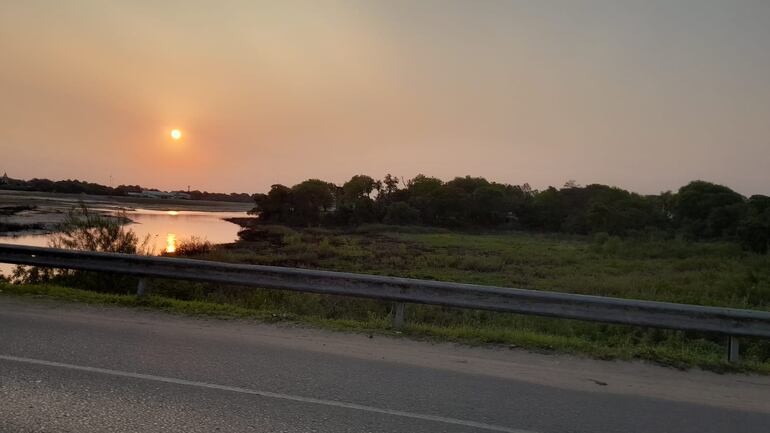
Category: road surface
[76,368]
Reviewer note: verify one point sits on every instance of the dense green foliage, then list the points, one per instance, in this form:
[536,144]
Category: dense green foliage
[699,210]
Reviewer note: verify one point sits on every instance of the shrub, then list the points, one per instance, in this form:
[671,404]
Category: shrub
[86,230]
[326,249]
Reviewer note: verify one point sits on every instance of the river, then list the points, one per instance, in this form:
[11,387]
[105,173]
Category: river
[165,229]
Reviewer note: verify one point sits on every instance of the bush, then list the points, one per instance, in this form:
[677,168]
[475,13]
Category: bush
[326,249]
[86,230]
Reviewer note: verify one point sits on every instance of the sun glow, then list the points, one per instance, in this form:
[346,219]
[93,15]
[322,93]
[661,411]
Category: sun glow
[170,243]
[176,134]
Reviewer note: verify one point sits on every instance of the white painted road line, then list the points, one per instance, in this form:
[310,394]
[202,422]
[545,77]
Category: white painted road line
[267,394]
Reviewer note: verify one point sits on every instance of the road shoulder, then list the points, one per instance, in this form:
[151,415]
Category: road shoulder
[729,391]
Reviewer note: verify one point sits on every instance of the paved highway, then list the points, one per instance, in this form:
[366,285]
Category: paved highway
[75,368]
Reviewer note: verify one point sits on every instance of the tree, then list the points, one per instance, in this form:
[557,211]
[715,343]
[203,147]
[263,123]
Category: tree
[390,185]
[275,206]
[311,199]
[400,213]
[494,204]
[545,211]
[356,205]
[754,229]
[589,209]
[699,209]
[421,192]
[468,184]
[125,189]
[707,210]
[359,186]
[451,205]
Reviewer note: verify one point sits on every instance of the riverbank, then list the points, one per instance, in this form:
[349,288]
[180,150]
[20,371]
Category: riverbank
[29,198]
[30,213]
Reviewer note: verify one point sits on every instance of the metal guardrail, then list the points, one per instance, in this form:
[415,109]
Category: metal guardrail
[727,321]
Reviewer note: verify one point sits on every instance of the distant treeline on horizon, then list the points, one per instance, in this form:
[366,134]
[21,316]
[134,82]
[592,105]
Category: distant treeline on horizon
[81,187]
[699,210]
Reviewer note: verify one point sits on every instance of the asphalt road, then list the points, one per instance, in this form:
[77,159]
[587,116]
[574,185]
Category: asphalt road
[71,368]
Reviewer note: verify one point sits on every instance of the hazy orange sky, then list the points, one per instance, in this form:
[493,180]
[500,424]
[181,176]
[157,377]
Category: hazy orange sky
[646,95]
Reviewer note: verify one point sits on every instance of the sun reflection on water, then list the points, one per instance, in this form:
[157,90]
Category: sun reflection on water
[171,243]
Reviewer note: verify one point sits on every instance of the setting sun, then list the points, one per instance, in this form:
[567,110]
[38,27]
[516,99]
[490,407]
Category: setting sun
[176,134]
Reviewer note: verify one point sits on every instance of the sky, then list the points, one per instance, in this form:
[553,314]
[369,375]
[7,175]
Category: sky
[645,95]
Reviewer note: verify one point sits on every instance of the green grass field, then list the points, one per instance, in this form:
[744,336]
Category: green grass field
[717,274]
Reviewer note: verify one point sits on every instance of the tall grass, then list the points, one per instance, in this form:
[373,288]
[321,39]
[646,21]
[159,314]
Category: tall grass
[191,247]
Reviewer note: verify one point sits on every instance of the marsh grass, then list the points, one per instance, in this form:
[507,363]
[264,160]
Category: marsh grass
[192,246]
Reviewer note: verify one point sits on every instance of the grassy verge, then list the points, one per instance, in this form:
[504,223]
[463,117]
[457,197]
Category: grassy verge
[677,349]
[195,308]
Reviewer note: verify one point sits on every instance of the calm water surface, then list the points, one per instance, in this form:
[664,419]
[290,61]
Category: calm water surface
[165,229]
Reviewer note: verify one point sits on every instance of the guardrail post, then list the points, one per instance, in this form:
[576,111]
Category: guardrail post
[733,350]
[141,286]
[398,315]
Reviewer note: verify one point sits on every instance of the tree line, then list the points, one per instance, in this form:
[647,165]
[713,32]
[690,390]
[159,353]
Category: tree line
[699,210]
[75,186]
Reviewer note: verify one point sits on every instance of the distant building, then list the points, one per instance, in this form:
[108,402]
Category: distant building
[5,180]
[151,193]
